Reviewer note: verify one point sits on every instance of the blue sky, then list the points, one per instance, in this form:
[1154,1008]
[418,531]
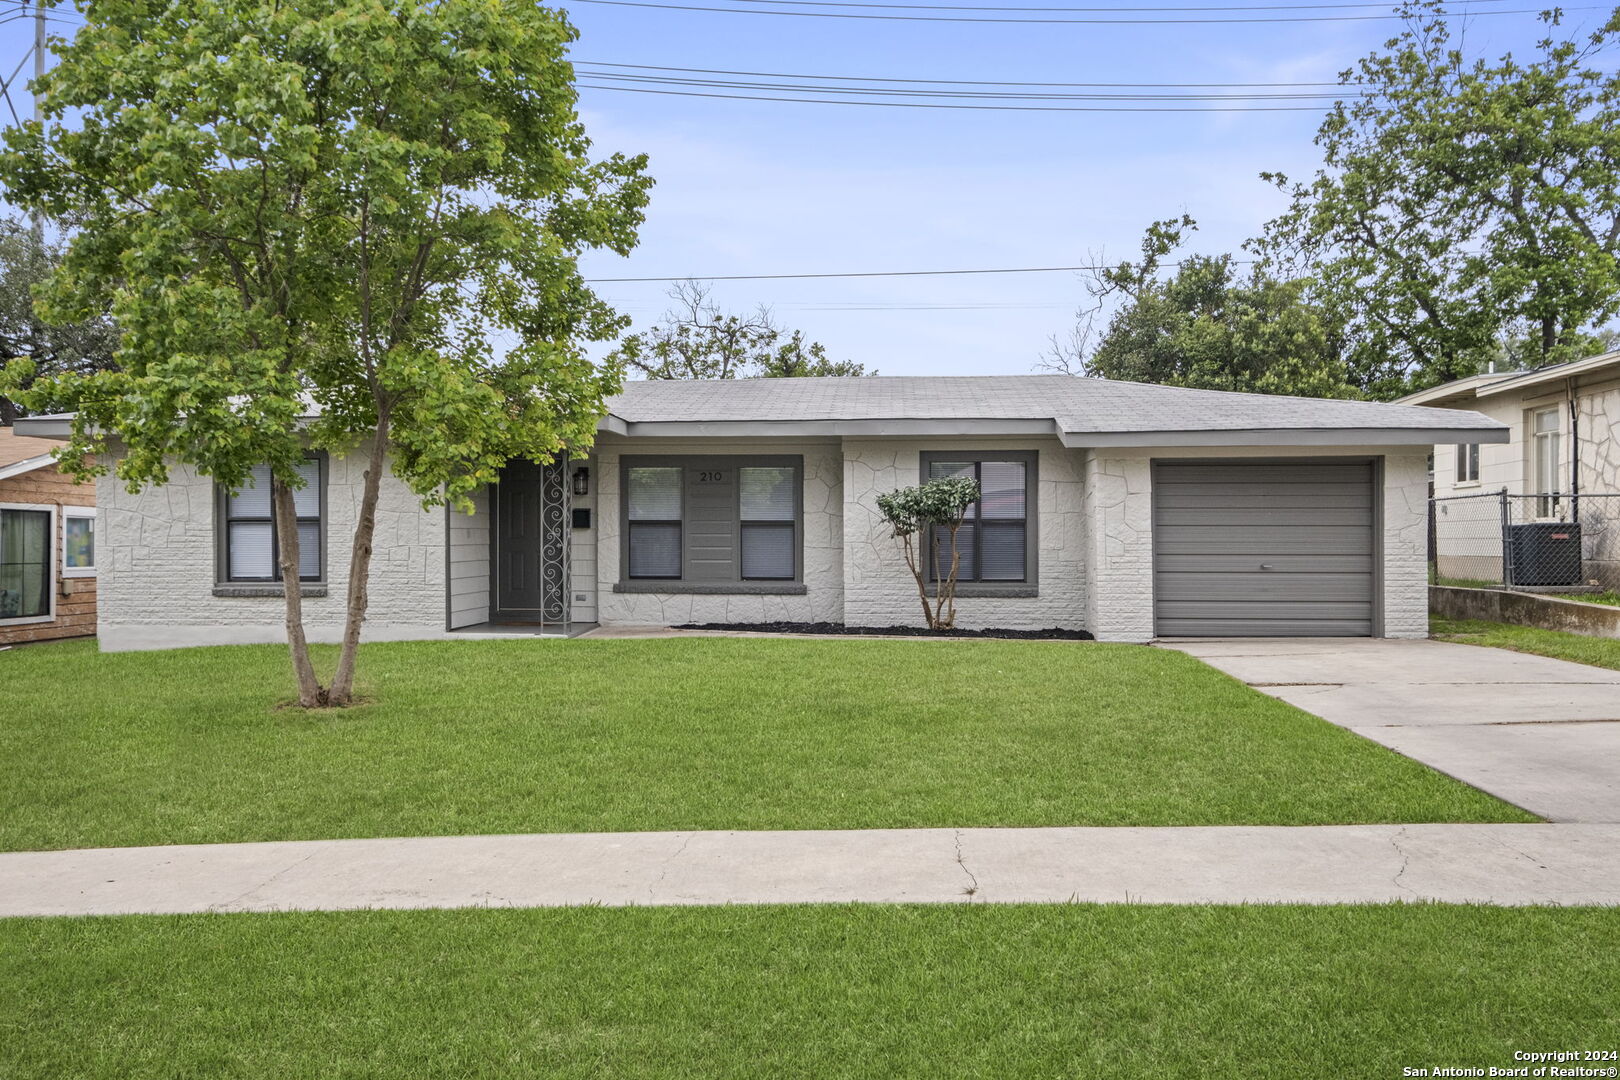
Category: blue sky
[757,187]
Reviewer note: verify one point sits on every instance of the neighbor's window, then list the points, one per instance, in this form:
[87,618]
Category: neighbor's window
[993,544]
[250,551]
[1545,458]
[26,577]
[721,520]
[78,541]
[1467,462]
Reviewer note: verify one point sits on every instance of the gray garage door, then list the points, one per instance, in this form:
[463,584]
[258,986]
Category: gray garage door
[1263,549]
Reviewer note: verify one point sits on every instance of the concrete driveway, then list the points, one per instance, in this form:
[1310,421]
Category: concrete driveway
[1543,734]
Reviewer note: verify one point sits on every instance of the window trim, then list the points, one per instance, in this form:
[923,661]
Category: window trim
[95,557]
[683,584]
[50,563]
[1030,585]
[629,526]
[1467,463]
[225,585]
[1548,503]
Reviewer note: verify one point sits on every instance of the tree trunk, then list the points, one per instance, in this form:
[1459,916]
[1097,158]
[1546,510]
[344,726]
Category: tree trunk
[342,691]
[922,582]
[8,411]
[310,694]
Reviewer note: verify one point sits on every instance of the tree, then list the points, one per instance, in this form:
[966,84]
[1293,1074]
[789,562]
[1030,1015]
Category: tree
[922,511]
[1204,326]
[1462,203]
[697,340]
[308,218]
[83,346]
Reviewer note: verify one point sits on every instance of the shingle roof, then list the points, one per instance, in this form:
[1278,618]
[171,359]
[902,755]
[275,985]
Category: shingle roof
[14,449]
[1075,405]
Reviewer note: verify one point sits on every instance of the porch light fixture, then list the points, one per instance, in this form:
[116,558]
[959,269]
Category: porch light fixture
[582,481]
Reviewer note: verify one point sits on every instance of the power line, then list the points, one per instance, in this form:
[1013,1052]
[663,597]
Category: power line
[951,82]
[1095,10]
[960,105]
[877,273]
[886,91]
[1037,22]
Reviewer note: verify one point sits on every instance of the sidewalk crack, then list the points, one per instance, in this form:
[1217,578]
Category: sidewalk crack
[267,882]
[973,886]
[652,887]
[1406,861]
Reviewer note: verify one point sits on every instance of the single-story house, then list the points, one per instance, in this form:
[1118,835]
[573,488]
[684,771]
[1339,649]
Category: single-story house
[47,545]
[1563,425]
[1126,510]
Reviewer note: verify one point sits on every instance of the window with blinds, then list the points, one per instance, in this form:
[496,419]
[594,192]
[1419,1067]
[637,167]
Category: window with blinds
[250,551]
[712,519]
[993,543]
[653,516]
[767,509]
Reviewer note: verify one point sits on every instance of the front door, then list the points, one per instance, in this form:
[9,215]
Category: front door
[530,540]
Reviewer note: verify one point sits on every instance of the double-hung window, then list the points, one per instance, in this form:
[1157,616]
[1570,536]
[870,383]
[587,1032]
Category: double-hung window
[1546,457]
[712,521]
[996,543]
[249,547]
[27,558]
[1467,462]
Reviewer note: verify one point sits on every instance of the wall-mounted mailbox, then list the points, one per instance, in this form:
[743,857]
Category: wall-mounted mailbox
[582,517]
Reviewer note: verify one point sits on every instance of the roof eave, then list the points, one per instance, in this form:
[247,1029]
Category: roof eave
[52,426]
[26,465]
[1553,375]
[1334,436]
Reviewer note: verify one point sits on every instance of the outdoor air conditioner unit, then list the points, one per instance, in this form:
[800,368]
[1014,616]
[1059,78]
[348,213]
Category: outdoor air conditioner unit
[1544,553]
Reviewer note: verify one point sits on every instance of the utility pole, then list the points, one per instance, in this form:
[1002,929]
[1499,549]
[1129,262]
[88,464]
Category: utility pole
[39,110]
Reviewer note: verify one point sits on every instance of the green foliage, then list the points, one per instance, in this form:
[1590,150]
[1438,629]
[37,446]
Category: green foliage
[1205,327]
[917,515]
[33,346]
[335,207]
[1462,203]
[697,340]
[941,501]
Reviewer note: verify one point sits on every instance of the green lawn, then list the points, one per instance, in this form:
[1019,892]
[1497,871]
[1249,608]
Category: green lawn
[1599,652]
[698,733]
[815,992]
[1608,596]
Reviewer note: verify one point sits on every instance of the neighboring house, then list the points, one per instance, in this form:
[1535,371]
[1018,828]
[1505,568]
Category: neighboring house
[1564,439]
[47,545]
[1127,510]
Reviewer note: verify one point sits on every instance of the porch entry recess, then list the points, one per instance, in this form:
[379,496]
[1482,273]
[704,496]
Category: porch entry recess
[530,541]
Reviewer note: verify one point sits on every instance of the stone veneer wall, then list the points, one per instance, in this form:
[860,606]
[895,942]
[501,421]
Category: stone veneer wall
[823,596]
[880,591]
[157,567]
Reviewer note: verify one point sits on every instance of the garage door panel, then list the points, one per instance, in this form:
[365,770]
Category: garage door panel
[1281,540]
[1221,496]
[1269,628]
[1262,586]
[1225,609]
[1282,564]
[1313,474]
[1310,523]
[1263,517]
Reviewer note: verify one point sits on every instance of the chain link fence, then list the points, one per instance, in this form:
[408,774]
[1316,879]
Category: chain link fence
[1559,544]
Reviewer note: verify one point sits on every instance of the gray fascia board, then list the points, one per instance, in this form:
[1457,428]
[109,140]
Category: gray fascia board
[56,426]
[1289,437]
[26,465]
[758,429]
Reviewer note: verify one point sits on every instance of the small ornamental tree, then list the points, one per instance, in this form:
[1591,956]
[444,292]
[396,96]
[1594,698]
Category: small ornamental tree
[918,515]
[349,225]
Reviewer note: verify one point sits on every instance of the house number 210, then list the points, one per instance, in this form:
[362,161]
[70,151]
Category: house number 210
[711,476]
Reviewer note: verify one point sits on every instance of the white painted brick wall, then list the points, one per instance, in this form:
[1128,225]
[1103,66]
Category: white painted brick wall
[157,575]
[880,591]
[823,600]
[1406,544]
[1118,531]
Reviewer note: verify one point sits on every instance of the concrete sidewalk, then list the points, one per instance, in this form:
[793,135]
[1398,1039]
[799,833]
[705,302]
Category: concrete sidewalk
[1500,864]
[1540,733]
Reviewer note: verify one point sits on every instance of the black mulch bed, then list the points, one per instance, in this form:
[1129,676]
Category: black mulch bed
[1053,634]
